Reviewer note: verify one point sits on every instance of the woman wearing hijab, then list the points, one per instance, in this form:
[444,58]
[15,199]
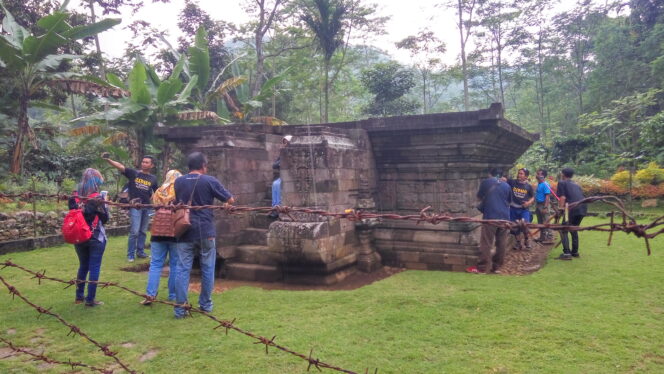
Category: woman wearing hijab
[90,252]
[161,246]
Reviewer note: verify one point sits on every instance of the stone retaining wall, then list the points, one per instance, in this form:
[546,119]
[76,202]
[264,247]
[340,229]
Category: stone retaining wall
[21,225]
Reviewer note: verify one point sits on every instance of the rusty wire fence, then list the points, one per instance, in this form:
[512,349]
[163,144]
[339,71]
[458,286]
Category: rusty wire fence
[620,221]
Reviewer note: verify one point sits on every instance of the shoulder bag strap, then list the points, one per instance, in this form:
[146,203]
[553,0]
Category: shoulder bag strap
[191,197]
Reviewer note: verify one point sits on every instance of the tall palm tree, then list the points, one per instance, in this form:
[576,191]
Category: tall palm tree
[325,19]
[32,60]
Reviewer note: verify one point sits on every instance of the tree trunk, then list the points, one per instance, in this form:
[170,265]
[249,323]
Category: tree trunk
[260,62]
[102,66]
[327,92]
[424,92]
[500,73]
[22,130]
[540,78]
[464,69]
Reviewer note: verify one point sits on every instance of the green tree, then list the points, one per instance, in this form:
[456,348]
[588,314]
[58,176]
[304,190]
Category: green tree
[31,58]
[389,82]
[425,50]
[325,20]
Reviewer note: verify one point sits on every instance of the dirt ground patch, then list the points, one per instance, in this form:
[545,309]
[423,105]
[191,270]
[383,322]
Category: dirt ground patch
[524,262]
[353,281]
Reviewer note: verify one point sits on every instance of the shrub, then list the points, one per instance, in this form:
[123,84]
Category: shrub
[589,184]
[648,191]
[611,188]
[621,179]
[652,175]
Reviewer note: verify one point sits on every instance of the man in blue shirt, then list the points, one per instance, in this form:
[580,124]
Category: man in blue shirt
[198,189]
[543,203]
[494,195]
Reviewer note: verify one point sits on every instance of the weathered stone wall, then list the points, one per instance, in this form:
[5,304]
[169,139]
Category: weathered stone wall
[394,164]
[21,225]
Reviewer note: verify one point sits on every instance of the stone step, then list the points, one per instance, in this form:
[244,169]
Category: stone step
[254,236]
[260,220]
[256,254]
[252,272]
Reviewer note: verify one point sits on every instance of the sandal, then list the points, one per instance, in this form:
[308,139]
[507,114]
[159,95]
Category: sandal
[147,301]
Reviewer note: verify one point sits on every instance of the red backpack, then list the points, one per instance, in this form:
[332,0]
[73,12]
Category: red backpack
[74,228]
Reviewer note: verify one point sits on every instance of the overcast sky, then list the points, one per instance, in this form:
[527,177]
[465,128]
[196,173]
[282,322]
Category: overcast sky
[407,18]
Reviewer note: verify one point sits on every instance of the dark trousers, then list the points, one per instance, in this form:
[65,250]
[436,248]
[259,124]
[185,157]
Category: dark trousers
[573,221]
[89,258]
[489,236]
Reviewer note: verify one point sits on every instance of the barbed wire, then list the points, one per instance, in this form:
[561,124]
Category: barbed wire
[190,310]
[629,224]
[73,329]
[43,357]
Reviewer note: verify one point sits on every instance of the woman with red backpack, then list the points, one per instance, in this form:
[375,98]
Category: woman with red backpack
[90,251]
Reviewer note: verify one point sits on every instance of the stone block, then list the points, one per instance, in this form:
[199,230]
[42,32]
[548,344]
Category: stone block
[415,266]
[409,256]
[455,259]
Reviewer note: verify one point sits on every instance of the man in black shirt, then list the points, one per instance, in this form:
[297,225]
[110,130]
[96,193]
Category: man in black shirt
[570,192]
[196,189]
[141,185]
[522,198]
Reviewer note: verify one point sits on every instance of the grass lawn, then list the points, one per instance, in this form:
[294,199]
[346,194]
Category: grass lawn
[602,313]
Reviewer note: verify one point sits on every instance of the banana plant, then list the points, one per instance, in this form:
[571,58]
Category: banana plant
[152,101]
[31,59]
[197,64]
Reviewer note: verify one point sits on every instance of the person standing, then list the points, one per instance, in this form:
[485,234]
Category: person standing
[494,196]
[570,192]
[196,189]
[163,246]
[276,184]
[522,199]
[141,186]
[543,205]
[90,252]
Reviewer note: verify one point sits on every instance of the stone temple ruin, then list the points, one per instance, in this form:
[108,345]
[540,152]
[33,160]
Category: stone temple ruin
[386,165]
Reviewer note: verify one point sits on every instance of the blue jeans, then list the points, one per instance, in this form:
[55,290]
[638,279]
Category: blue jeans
[139,220]
[89,259]
[276,192]
[207,251]
[159,252]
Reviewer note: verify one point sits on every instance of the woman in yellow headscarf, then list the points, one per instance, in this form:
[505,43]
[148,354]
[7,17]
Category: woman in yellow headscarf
[163,245]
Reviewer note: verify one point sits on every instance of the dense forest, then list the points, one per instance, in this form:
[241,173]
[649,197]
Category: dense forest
[588,80]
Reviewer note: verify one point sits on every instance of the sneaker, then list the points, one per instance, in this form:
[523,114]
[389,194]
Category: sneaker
[130,259]
[575,254]
[473,270]
[94,303]
[78,301]
[142,255]
[273,215]
[528,245]
[565,256]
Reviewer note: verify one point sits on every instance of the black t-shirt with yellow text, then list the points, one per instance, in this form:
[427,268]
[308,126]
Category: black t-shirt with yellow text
[140,185]
[521,192]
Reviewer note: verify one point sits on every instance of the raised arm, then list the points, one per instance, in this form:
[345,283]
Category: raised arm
[115,164]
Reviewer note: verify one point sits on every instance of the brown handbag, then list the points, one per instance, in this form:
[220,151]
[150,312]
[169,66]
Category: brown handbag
[181,222]
[162,223]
